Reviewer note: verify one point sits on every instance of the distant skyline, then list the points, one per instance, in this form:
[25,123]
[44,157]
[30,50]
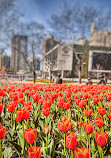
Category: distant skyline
[41,10]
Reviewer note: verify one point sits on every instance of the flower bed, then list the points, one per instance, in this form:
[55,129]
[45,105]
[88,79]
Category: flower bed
[47,120]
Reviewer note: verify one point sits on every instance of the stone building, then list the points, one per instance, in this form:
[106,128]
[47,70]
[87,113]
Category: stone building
[99,38]
[49,43]
[99,53]
[60,57]
[19,53]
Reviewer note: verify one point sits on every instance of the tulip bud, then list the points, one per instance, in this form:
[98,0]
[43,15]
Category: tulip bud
[53,132]
[53,117]
[63,118]
[22,151]
[46,129]
[69,118]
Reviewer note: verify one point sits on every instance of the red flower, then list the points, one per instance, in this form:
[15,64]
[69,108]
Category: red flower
[30,135]
[80,123]
[36,97]
[71,141]
[99,122]
[18,119]
[2,131]
[109,115]
[1,108]
[34,152]
[10,107]
[46,129]
[68,94]
[88,127]
[96,100]
[88,112]
[60,104]
[47,103]
[81,105]
[22,114]
[101,138]
[77,101]
[46,111]
[101,111]
[109,97]
[64,125]
[67,105]
[81,153]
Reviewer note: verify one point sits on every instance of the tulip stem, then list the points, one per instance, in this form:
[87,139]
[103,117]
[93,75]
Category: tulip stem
[46,142]
[89,143]
[0,149]
[64,142]
[12,124]
[61,112]
[35,143]
[23,132]
[102,155]
[72,155]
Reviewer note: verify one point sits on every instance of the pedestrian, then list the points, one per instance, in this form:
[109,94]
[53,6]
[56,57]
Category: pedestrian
[102,80]
[89,82]
[58,79]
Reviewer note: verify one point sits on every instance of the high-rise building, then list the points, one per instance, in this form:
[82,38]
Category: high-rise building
[19,53]
[4,60]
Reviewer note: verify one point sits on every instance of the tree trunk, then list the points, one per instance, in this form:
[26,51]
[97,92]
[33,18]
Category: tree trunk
[80,73]
[34,76]
[50,74]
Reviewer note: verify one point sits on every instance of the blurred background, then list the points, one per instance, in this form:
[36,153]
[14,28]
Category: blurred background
[40,38]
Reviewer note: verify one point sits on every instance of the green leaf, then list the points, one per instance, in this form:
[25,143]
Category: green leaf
[44,151]
[7,152]
[18,148]
[21,138]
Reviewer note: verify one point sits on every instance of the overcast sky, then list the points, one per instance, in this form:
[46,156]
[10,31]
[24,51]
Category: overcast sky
[41,10]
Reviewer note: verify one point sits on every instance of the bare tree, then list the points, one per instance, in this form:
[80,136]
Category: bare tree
[9,20]
[36,33]
[73,22]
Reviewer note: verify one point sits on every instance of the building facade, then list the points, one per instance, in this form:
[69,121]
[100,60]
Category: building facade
[4,60]
[19,53]
[61,57]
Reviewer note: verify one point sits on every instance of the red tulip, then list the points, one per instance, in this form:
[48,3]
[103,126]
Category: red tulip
[71,141]
[80,123]
[46,111]
[96,100]
[30,135]
[10,107]
[67,105]
[99,122]
[101,138]
[34,152]
[88,112]
[1,108]
[46,129]
[109,115]
[101,111]
[2,131]
[64,125]
[77,101]
[81,153]
[88,127]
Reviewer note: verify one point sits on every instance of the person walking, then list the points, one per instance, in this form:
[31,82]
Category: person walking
[58,79]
